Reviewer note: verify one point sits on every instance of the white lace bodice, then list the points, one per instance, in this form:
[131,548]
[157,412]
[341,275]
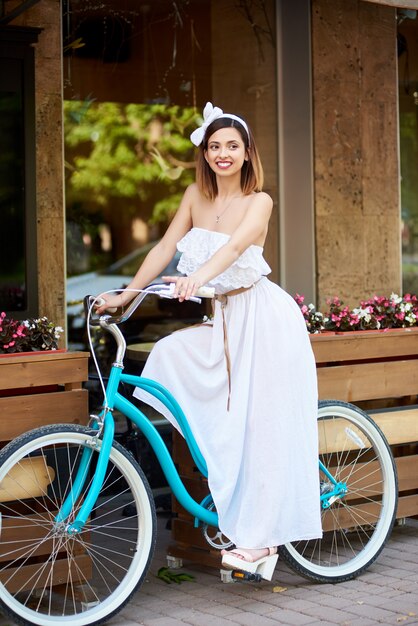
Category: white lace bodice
[199,245]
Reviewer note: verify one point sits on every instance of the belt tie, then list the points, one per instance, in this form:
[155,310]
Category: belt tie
[223,300]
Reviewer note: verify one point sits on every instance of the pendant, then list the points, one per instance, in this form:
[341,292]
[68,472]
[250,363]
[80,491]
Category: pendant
[218,218]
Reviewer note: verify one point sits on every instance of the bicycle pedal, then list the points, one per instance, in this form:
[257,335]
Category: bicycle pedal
[246,576]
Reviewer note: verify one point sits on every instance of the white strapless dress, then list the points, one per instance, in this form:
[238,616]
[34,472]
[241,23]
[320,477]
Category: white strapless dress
[262,453]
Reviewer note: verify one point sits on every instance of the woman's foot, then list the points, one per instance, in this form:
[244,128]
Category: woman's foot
[261,561]
[250,555]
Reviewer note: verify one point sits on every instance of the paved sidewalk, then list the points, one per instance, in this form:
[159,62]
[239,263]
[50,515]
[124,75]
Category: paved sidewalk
[386,594]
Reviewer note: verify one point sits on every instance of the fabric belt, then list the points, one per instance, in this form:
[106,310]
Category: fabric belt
[223,299]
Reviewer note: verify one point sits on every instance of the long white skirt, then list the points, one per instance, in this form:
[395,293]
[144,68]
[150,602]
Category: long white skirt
[262,454]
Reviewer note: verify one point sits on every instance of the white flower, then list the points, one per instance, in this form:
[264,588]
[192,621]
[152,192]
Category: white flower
[395,298]
[362,314]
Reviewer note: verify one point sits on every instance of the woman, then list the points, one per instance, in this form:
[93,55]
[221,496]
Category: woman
[247,382]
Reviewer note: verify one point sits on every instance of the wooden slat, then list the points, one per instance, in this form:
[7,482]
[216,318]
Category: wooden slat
[365,345]
[407,467]
[45,369]
[407,506]
[398,426]
[368,381]
[21,534]
[365,513]
[182,456]
[182,530]
[21,413]
[203,556]
[31,576]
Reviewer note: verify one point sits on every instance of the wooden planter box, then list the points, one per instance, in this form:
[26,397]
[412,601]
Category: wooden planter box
[377,370]
[37,390]
[40,389]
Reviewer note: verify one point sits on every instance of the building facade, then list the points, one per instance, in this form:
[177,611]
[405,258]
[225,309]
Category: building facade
[318,82]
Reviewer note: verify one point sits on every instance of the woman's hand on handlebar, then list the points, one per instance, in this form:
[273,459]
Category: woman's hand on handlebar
[107,302]
[185,286]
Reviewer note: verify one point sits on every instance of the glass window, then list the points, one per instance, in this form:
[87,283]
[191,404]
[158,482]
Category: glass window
[12,204]
[408,123]
[18,260]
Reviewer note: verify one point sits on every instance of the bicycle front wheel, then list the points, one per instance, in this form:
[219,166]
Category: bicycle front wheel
[357,522]
[48,576]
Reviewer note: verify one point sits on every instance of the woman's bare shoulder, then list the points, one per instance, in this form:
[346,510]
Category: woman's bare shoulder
[192,191]
[261,201]
[263,198]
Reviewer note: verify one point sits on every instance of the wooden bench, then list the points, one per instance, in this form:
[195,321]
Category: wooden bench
[377,371]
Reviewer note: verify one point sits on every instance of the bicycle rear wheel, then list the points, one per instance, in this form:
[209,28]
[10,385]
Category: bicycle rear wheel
[49,577]
[357,523]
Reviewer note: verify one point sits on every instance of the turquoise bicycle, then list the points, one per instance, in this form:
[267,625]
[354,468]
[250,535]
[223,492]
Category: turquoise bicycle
[78,521]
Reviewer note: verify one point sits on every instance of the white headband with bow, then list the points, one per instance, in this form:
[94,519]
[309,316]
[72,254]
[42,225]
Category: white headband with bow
[210,114]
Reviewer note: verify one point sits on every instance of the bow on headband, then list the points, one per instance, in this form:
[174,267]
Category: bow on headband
[210,114]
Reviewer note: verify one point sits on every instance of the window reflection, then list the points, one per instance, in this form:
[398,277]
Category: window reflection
[408,124]
[13,296]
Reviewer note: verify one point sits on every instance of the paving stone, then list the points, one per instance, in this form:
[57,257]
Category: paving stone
[384,595]
[291,618]
[208,620]
[251,619]
[162,621]
[380,615]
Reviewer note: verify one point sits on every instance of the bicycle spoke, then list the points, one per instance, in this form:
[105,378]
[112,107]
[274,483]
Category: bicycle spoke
[360,500]
[46,567]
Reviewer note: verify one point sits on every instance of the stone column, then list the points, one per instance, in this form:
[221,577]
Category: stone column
[356,159]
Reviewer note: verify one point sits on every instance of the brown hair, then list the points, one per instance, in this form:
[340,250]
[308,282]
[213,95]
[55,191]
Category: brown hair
[252,176]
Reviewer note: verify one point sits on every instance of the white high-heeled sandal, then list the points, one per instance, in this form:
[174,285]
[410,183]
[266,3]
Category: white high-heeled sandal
[264,566]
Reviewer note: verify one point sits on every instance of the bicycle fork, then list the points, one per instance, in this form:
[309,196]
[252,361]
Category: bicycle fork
[105,426]
[104,446]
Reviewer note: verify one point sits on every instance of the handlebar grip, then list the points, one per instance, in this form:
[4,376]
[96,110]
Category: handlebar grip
[205,292]
[100,301]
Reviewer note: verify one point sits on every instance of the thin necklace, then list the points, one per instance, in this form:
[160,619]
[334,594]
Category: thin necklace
[218,216]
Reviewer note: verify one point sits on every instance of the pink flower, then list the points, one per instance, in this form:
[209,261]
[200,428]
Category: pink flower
[304,309]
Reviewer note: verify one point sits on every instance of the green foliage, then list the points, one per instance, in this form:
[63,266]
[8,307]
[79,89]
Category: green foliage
[168,576]
[137,153]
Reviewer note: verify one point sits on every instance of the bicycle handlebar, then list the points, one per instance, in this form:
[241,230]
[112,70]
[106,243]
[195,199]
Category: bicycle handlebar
[163,290]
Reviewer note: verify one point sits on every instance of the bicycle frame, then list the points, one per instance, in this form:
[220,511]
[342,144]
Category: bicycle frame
[114,400]
[117,401]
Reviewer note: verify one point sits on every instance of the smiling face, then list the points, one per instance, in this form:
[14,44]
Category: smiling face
[225,152]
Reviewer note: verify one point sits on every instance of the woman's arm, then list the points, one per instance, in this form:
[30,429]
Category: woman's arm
[252,228]
[159,256]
